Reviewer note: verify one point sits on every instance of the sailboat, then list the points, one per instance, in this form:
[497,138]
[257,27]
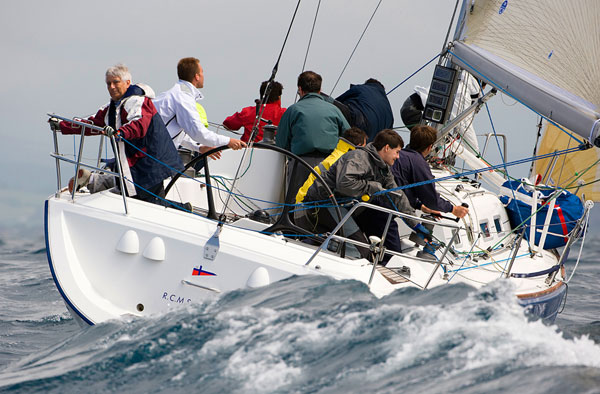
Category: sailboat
[113,257]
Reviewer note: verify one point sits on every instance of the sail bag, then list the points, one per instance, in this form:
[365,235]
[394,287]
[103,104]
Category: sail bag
[567,210]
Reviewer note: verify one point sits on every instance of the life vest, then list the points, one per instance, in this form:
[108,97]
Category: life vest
[202,113]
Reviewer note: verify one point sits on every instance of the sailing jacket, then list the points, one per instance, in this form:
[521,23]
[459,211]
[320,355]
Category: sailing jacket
[342,147]
[245,118]
[369,107]
[138,122]
[359,172]
[411,167]
[311,125]
[177,108]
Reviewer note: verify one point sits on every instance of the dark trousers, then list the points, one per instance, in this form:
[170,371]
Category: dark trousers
[298,176]
[327,219]
[158,190]
[372,222]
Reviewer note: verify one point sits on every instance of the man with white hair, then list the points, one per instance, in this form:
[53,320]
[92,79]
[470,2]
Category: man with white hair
[131,115]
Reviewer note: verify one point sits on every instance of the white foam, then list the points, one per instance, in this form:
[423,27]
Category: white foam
[507,337]
[179,376]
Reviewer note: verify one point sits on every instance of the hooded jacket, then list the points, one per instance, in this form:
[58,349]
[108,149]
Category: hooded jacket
[138,122]
[177,107]
[359,172]
[342,148]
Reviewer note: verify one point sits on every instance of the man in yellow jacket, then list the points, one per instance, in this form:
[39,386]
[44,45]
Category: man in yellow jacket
[350,139]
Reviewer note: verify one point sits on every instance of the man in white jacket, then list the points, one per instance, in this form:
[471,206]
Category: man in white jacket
[177,108]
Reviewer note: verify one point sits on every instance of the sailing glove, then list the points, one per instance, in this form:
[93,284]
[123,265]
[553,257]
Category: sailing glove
[109,131]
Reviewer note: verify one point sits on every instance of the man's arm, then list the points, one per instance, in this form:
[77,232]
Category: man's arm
[398,197]
[350,178]
[403,205]
[139,116]
[97,120]
[235,121]
[343,124]
[427,193]
[282,138]
[189,143]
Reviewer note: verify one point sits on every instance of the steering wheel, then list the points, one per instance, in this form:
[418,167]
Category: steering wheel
[283,224]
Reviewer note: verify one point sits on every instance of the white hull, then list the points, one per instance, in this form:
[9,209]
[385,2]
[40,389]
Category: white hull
[101,278]
[109,265]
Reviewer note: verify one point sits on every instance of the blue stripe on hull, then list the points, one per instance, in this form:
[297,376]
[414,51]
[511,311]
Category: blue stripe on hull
[60,290]
[546,306]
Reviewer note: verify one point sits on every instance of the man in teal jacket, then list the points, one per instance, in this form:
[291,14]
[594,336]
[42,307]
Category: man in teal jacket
[311,127]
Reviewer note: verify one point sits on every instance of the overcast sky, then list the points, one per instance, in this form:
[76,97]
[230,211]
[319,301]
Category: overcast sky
[55,55]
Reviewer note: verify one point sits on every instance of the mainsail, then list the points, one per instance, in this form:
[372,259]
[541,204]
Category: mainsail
[543,53]
[578,171]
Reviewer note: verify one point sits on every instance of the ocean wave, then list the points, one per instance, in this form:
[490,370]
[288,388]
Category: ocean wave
[313,334]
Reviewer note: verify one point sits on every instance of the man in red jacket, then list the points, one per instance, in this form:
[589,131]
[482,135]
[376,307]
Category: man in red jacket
[246,116]
[149,157]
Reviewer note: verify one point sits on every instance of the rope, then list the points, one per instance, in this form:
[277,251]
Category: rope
[487,108]
[315,204]
[356,46]
[483,265]
[585,227]
[309,42]
[472,172]
[465,259]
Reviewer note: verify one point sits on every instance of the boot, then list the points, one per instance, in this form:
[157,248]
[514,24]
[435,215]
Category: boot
[83,178]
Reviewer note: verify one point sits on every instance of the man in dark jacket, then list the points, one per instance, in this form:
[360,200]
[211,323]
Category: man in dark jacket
[411,167]
[369,107]
[365,171]
[132,116]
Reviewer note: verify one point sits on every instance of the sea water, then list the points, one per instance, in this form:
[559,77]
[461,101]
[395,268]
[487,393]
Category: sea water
[303,334]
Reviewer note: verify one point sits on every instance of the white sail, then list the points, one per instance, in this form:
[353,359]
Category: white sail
[577,171]
[544,53]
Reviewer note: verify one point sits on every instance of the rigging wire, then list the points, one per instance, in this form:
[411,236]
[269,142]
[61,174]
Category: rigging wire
[413,74]
[309,42]
[537,140]
[356,46]
[562,167]
[317,203]
[505,167]
[250,146]
[449,28]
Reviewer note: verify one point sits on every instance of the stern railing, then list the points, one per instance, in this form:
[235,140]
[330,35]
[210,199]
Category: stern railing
[94,130]
[391,215]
